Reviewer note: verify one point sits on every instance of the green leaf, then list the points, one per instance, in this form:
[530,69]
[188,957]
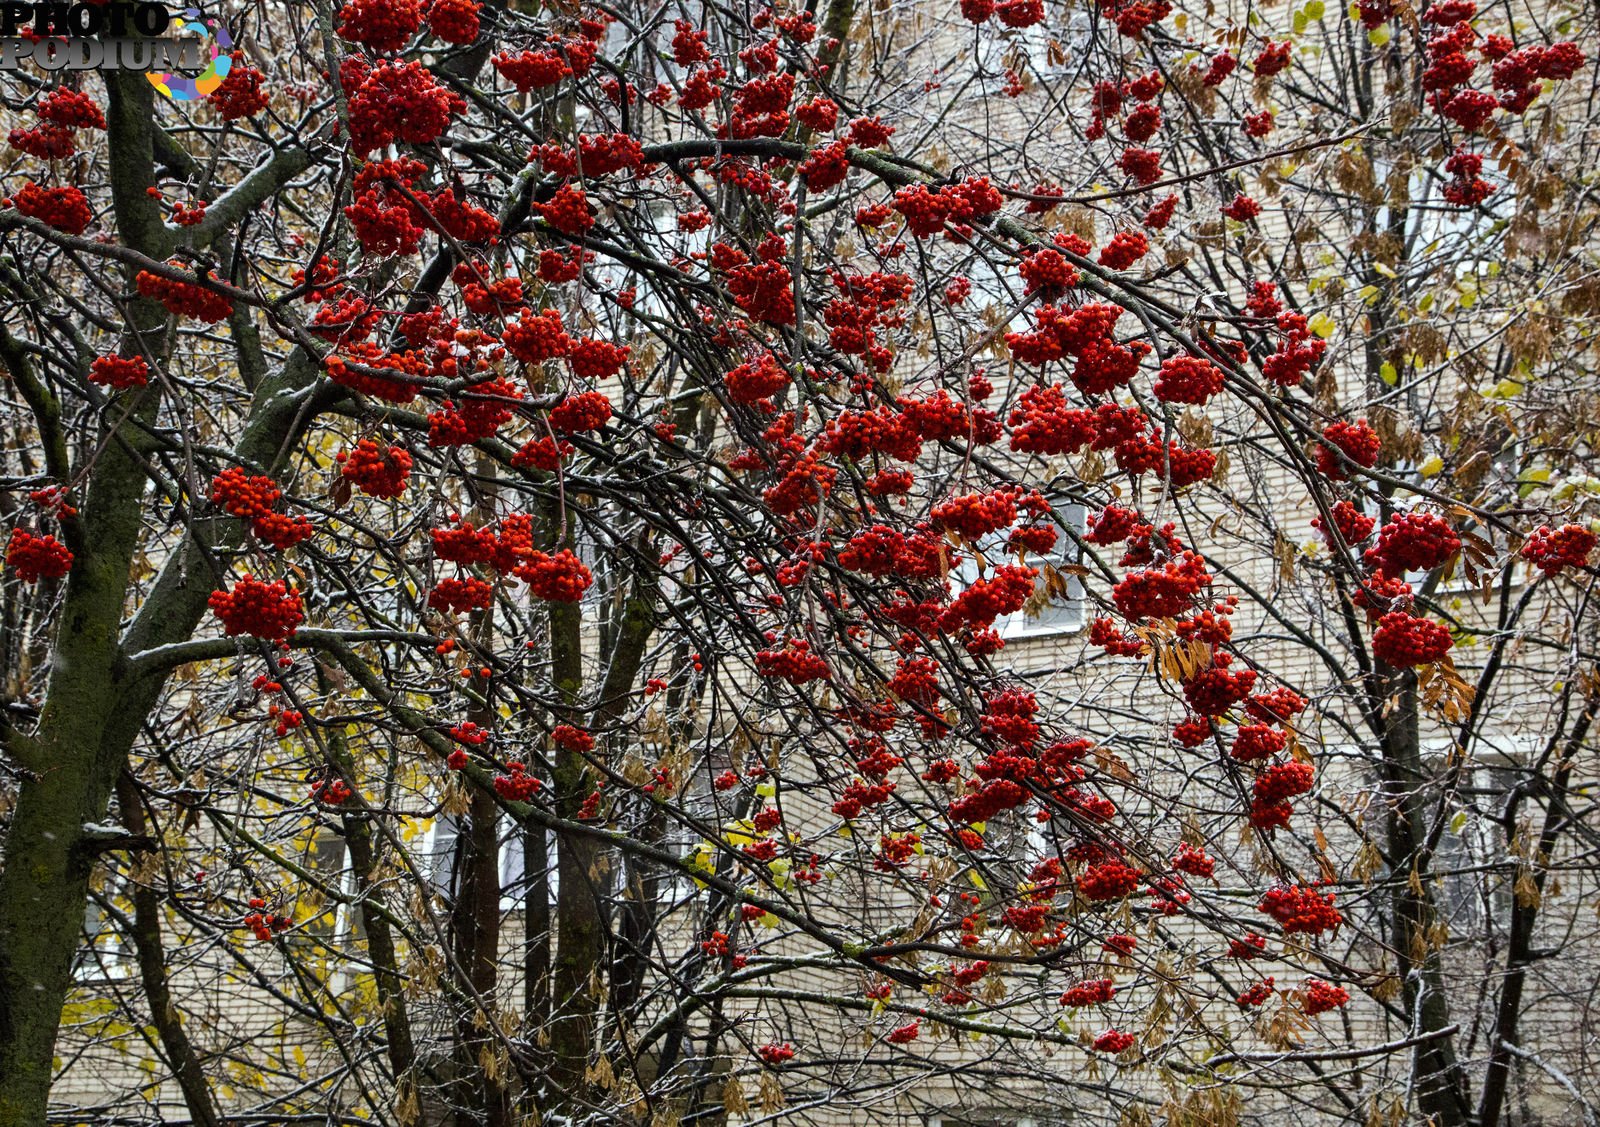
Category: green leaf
[1314,10]
[1378,36]
[1387,374]
[1322,325]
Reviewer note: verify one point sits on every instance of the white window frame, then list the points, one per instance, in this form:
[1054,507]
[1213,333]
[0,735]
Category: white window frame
[105,955]
[512,861]
[1058,620]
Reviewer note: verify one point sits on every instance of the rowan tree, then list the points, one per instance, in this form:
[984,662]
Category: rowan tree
[523,526]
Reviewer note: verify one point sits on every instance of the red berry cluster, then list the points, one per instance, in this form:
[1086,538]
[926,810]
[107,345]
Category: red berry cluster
[1187,379]
[466,222]
[596,155]
[460,595]
[1354,526]
[1256,994]
[1219,70]
[52,501]
[1126,247]
[1272,59]
[1109,880]
[1143,166]
[1301,910]
[794,663]
[265,924]
[376,472]
[1356,442]
[1403,640]
[240,94]
[1276,706]
[571,738]
[269,611]
[1465,188]
[1297,353]
[375,383]
[594,359]
[1415,541]
[1248,947]
[763,289]
[535,338]
[1161,213]
[454,21]
[576,414]
[530,70]
[475,419]
[1257,741]
[544,453]
[975,515]
[1164,592]
[568,211]
[1257,124]
[184,299]
[558,578]
[1323,996]
[774,1054]
[385,219]
[1242,208]
[1123,945]
[35,557]
[254,498]
[70,109]
[985,600]
[1113,1042]
[47,142]
[1214,690]
[1020,13]
[1091,993]
[1273,788]
[516,785]
[120,372]
[60,112]
[1196,862]
[1046,274]
[63,208]
[756,380]
[331,792]
[904,1034]
[382,25]
[1551,550]
[394,101]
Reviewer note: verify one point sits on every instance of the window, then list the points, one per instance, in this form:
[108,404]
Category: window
[446,856]
[1051,48]
[1473,845]
[1057,606]
[105,954]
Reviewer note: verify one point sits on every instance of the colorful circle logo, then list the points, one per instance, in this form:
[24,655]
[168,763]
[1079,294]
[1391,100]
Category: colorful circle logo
[181,88]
